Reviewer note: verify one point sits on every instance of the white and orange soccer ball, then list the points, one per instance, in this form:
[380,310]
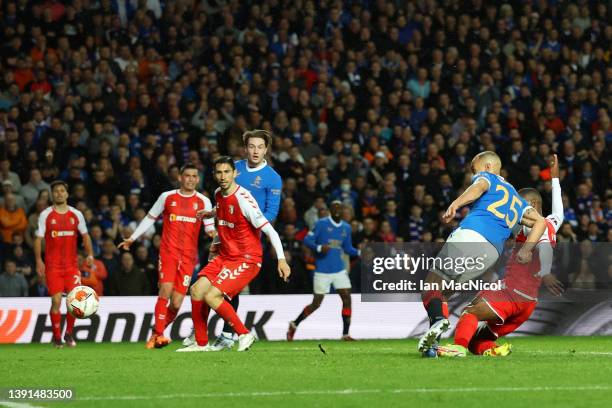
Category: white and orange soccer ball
[82,302]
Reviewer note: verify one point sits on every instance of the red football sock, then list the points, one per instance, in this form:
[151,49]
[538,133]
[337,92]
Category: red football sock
[161,311]
[199,315]
[479,346]
[56,323]
[227,312]
[466,327]
[170,316]
[346,320]
[70,319]
[445,309]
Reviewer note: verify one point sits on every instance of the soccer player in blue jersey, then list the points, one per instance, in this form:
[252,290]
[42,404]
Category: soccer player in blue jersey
[265,185]
[495,209]
[330,238]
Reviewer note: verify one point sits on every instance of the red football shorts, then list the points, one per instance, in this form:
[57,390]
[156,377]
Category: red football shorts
[230,276]
[176,271]
[62,279]
[512,309]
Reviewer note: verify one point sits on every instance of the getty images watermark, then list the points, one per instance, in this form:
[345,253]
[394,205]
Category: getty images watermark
[406,264]
[398,271]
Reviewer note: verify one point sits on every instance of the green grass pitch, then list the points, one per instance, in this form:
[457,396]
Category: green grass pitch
[541,372]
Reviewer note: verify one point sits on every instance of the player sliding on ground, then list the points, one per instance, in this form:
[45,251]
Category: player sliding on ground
[60,225]
[178,252]
[503,311]
[239,222]
[495,209]
[329,239]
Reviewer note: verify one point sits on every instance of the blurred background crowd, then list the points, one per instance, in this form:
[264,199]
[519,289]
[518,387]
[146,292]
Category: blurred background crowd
[380,104]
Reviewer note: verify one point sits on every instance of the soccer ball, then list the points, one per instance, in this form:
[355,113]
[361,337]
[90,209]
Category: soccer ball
[82,302]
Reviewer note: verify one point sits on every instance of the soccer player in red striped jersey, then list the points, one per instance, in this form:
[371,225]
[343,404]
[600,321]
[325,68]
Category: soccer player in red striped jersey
[59,226]
[497,313]
[239,224]
[178,252]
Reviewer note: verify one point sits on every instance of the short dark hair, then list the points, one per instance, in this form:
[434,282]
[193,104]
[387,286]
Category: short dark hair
[225,160]
[56,183]
[530,194]
[187,166]
[258,133]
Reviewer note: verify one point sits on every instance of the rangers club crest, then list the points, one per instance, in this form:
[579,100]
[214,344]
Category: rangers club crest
[231,209]
[256,182]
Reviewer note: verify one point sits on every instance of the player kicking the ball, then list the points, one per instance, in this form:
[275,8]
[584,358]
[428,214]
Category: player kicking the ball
[178,252]
[330,237]
[60,225]
[495,208]
[501,312]
[239,222]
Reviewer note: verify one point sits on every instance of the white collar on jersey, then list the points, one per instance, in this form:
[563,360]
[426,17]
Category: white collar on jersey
[178,190]
[259,167]
[334,223]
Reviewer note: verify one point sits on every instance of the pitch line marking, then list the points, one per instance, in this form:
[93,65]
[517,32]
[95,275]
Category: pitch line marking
[348,391]
[11,404]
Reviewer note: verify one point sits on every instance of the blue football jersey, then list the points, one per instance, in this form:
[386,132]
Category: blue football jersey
[496,212]
[338,237]
[265,184]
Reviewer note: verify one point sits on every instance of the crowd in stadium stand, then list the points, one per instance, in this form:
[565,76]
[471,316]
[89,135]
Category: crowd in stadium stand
[379,103]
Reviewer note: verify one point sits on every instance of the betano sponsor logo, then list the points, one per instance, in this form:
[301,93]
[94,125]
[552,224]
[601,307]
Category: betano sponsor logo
[57,234]
[182,218]
[11,329]
[226,223]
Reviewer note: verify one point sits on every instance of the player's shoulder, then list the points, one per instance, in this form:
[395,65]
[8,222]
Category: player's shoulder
[75,211]
[240,164]
[490,178]
[47,211]
[273,174]
[244,194]
[168,193]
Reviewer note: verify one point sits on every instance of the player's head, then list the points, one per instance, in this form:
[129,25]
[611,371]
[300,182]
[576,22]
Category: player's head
[336,210]
[533,197]
[256,144]
[59,192]
[225,172]
[189,177]
[486,161]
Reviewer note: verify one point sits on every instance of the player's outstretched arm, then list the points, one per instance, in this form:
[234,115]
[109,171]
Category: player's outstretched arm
[557,199]
[471,194]
[40,264]
[146,223]
[283,267]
